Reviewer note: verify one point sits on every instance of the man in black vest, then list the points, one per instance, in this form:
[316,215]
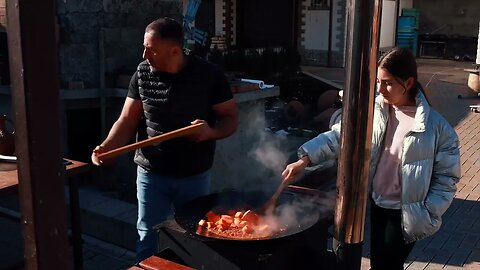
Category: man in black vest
[168,91]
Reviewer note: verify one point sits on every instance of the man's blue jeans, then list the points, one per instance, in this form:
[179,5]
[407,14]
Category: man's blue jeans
[157,196]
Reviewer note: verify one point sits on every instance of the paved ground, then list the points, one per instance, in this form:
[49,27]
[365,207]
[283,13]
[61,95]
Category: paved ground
[97,254]
[456,245]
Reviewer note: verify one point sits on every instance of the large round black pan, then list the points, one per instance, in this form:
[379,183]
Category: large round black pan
[301,207]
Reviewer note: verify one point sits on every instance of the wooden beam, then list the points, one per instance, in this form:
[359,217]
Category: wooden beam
[34,78]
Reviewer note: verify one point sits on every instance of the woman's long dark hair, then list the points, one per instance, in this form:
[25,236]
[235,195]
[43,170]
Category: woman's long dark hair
[401,63]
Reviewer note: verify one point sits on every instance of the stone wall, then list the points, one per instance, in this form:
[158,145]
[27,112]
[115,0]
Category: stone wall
[447,17]
[108,33]
[3,16]
[338,55]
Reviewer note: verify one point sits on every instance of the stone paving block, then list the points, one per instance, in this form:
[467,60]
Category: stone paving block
[450,267]
[10,259]
[475,211]
[105,261]
[443,255]
[11,244]
[461,184]
[454,240]
[88,254]
[434,265]
[473,261]
[92,243]
[453,207]
[421,261]
[113,208]
[476,168]
[438,241]
[459,257]
[413,254]
[461,195]
[449,225]
[464,208]
[407,263]
[11,234]
[89,199]
[466,223]
[472,266]
[468,176]
[420,245]
[470,184]
[457,205]
[129,217]
[474,195]
[470,240]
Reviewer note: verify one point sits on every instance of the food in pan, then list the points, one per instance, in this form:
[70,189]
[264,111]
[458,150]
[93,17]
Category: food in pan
[241,225]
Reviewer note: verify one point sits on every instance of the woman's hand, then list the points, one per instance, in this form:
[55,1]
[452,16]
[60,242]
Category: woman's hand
[294,169]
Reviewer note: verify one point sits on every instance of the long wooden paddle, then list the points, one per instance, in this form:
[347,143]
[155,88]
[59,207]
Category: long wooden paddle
[150,141]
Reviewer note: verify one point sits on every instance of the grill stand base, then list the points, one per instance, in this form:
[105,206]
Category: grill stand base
[305,252]
[349,256]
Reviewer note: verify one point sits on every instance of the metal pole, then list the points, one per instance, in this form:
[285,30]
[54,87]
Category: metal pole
[34,77]
[363,28]
[477,61]
[330,30]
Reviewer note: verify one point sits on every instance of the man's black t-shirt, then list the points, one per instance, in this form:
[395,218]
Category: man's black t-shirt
[190,94]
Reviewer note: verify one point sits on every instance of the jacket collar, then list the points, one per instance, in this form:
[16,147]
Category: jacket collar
[421,116]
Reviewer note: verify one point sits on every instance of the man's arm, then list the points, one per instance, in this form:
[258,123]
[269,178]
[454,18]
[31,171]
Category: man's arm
[123,129]
[227,122]
[227,115]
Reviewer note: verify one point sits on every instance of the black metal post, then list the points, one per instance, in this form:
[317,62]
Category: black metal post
[33,61]
[363,29]
[330,30]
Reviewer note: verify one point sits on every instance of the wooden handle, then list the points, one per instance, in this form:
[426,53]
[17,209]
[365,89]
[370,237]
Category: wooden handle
[151,141]
[272,202]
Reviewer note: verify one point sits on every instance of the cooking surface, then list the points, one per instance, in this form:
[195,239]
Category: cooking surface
[239,225]
[294,213]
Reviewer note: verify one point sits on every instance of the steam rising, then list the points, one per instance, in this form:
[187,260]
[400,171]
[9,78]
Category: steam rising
[258,166]
[266,147]
[256,158]
[300,213]
[270,156]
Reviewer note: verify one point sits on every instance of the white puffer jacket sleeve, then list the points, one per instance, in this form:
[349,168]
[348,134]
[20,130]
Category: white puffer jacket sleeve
[323,147]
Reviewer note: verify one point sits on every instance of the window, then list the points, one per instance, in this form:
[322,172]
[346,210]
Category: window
[319,4]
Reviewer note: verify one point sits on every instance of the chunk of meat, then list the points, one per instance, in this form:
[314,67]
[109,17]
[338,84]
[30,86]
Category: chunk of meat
[247,229]
[236,221]
[228,219]
[212,217]
[250,217]
[210,225]
[243,223]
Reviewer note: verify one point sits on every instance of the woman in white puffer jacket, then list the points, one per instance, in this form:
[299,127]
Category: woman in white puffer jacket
[415,162]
